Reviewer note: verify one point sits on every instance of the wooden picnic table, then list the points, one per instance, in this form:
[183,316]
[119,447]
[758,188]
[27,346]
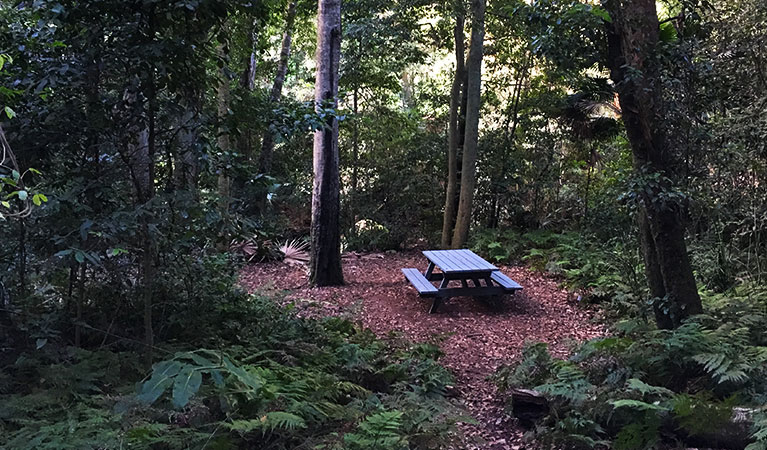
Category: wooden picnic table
[459,266]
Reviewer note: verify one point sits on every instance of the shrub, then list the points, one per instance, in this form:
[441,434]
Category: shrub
[644,385]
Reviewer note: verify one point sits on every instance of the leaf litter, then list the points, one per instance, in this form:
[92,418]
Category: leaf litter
[476,337]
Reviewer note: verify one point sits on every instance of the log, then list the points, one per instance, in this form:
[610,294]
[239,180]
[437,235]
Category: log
[733,435]
[528,406]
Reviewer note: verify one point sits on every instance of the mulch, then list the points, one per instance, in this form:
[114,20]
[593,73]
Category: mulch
[476,337]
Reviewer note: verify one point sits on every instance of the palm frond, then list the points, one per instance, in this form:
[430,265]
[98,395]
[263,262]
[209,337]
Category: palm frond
[294,252]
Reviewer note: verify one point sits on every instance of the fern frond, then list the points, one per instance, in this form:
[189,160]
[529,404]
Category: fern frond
[268,422]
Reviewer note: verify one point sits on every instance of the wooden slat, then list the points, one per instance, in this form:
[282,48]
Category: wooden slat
[458,261]
[457,265]
[436,257]
[506,282]
[478,260]
[419,282]
[463,262]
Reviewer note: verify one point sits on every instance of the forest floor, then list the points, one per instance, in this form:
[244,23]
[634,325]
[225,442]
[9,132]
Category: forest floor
[476,338]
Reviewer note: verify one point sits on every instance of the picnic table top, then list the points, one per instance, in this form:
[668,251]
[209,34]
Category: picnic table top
[458,261]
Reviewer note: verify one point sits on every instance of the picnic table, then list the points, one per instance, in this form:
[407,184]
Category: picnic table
[458,266]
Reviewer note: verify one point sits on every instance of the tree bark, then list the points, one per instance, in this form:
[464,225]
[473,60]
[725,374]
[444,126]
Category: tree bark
[325,264]
[248,83]
[469,159]
[187,168]
[224,143]
[355,140]
[267,145]
[448,220]
[633,36]
[138,156]
[248,79]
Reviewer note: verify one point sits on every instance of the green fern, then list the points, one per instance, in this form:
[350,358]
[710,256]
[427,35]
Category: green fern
[268,422]
[380,431]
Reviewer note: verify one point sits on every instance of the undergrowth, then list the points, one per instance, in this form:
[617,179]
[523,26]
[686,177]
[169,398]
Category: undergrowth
[643,387]
[606,272]
[247,374]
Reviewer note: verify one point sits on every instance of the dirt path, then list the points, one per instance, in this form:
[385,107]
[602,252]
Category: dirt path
[479,338]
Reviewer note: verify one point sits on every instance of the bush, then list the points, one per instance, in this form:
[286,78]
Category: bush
[642,386]
[266,378]
[610,270]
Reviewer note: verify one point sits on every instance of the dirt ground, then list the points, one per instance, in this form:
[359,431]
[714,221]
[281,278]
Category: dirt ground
[477,337]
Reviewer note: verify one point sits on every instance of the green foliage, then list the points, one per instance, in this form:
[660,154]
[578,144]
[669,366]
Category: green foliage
[628,389]
[279,380]
[380,431]
[609,271]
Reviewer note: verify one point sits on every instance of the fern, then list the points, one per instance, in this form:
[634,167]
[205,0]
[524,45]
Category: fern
[759,432]
[380,431]
[268,422]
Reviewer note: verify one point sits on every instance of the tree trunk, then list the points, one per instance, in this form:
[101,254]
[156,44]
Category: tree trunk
[267,145]
[354,179]
[448,221]
[248,79]
[138,156]
[248,83]
[325,264]
[187,168]
[509,131]
[22,269]
[633,36]
[79,306]
[469,159]
[224,143]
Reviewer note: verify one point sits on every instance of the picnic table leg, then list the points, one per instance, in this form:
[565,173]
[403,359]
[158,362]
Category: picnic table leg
[429,270]
[438,300]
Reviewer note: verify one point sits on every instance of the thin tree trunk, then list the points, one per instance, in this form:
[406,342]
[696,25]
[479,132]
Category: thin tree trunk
[355,140]
[448,220]
[139,159]
[509,131]
[325,264]
[187,168]
[267,145]
[248,83]
[469,159]
[633,36]
[589,173]
[79,306]
[22,269]
[248,79]
[224,143]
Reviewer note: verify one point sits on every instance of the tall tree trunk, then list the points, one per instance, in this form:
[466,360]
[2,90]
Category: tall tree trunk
[138,156]
[187,169]
[224,143]
[267,145]
[633,37]
[79,306]
[22,268]
[325,264]
[355,140]
[248,79]
[469,159]
[509,131]
[448,220]
[248,83]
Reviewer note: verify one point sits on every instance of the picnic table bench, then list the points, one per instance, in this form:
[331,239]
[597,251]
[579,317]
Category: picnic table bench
[463,266]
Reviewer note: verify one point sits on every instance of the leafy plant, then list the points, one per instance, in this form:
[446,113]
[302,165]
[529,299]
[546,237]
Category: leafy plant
[294,252]
[626,390]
